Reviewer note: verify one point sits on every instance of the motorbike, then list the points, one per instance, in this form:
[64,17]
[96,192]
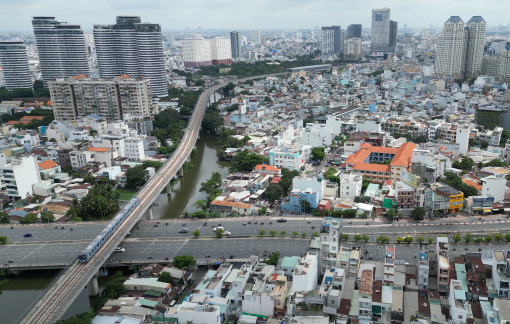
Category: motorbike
[71,229]
[166,223]
[244,223]
[62,227]
[270,223]
[466,248]
[138,227]
[150,256]
[219,224]
[313,227]
[367,223]
[255,223]
[11,261]
[261,223]
[309,222]
[366,251]
[183,224]
[12,227]
[166,258]
[370,258]
[454,249]
[350,222]
[249,222]
[155,225]
[205,224]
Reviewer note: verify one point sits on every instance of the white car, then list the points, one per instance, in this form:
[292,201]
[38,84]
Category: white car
[227,233]
[119,249]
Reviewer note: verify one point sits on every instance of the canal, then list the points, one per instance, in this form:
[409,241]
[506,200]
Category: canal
[19,293]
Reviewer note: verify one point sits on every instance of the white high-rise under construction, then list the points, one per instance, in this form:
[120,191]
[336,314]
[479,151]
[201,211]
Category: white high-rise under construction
[460,48]
[134,48]
[14,61]
[61,48]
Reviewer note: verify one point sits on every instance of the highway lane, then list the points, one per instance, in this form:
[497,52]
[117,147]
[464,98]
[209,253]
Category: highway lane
[87,231]
[139,251]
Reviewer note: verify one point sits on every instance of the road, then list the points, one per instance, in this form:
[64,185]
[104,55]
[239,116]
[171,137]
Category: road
[87,231]
[69,283]
[138,251]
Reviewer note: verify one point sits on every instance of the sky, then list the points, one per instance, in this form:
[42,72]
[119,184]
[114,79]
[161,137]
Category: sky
[249,14]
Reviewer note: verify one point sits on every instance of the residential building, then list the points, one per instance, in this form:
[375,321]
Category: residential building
[350,185]
[235,44]
[196,313]
[14,62]
[330,242]
[457,301]
[215,51]
[354,31]
[460,48]
[501,273]
[61,49]
[80,96]
[364,297]
[291,157]
[315,135]
[389,266]
[133,148]
[331,40]
[494,186]
[352,49]
[404,194]
[443,265]
[423,267]
[19,176]
[305,274]
[255,36]
[133,48]
[80,159]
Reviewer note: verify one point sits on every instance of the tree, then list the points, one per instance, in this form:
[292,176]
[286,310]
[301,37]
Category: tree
[303,235]
[484,144]
[456,238]
[183,261]
[246,161]
[282,233]
[468,238]
[47,217]
[294,234]
[273,192]
[219,233]
[478,239]
[81,318]
[196,233]
[273,233]
[420,239]
[498,237]
[488,238]
[365,238]
[430,240]
[504,138]
[4,218]
[399,240]
[262,232]
[165,277]
[357,237]
[408,239]
[318,153]
[202,204]
[262,211]
[418,213]
[29,219]
[507,237]
[391,214]
[315,234]
[273,260]
[305,206]
[3,239]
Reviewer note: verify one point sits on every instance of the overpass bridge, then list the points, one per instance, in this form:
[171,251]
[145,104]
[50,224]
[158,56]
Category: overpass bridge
[55,300]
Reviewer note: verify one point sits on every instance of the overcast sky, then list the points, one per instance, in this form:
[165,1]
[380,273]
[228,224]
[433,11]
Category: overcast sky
[248,14]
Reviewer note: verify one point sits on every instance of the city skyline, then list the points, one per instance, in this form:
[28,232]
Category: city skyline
[228,14]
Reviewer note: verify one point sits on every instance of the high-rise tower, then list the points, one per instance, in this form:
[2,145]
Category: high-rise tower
[235,43]
[14,61]
[61,48]
[332,41]
[380,32]
[134,48]
[354,30]
[460,48]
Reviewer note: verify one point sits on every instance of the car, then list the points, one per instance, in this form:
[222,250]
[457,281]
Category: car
[281,220]
[227,233]
[119,249]
[184,230]
[28,235]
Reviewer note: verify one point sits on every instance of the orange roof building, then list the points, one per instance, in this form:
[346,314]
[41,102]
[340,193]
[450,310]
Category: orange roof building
[30,118]
[390,162]
[48,164]
[98,149]
[267,168]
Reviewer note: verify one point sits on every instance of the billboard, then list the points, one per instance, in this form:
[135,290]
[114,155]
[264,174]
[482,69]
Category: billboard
[378,17]
[409,178]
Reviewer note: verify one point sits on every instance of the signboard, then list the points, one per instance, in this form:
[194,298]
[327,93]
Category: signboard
[482,199]
[378,17]
[409,178]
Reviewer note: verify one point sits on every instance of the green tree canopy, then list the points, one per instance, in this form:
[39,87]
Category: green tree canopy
[419,213]
[29,219]
[183,261]
[273,192]
[318,153]
[246,161]
[165,276]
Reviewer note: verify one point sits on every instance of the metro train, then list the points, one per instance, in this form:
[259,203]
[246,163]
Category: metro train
[91,249]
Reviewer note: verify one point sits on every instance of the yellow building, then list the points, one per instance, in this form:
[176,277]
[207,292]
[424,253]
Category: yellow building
[456,202]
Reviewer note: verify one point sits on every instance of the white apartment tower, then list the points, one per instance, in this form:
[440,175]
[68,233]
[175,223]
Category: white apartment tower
[255,36]
[214,51]
[61,48]
[109,98]
[19,176]
[332,40]
[474,40]
[14,62]
[460,48]
[134,48]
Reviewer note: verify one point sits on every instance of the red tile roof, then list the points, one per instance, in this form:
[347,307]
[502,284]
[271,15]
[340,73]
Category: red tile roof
[404,156]
[81,76]
[98,149]
[371,167]
[265,167]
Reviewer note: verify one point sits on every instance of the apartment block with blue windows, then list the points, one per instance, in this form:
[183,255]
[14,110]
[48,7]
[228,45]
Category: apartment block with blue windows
[293,202]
